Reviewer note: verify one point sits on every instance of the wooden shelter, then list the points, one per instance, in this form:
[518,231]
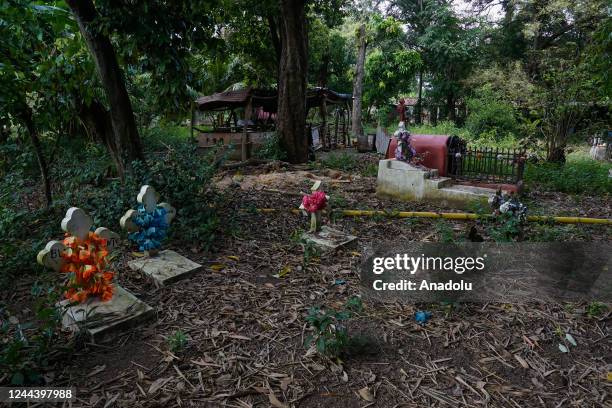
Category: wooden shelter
[247,117]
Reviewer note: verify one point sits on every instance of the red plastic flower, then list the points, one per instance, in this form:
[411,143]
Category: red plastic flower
[314,202]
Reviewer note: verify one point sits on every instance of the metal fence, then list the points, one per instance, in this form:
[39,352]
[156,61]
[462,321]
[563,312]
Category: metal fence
[488,165]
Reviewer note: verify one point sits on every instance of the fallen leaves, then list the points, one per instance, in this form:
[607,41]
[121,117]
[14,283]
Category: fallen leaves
[366,394]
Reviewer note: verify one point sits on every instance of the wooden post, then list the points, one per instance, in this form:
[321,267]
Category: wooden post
[323,128]
[192,119]
[246,148]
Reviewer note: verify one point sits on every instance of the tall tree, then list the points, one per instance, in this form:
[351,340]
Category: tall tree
[291,116]
[127,139]
[357,126]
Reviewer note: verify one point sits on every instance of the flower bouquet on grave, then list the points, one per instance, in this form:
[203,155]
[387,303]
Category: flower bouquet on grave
[153,229]
[86,265]
[313,204]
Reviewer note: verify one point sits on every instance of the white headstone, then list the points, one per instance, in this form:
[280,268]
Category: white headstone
[77,223]
[51,256]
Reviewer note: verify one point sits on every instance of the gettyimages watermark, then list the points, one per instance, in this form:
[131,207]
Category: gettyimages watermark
[490,272]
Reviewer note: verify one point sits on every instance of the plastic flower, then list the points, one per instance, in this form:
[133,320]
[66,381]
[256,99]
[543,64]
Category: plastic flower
[314,202]
[85,264]
[153,228]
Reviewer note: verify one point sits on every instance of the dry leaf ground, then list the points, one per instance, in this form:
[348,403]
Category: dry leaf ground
[246,328]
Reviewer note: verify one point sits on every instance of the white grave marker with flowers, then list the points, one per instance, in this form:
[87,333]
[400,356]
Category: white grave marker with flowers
[147,228]
[321,235]
[93,302]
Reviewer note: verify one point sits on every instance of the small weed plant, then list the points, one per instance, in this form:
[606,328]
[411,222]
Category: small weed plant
[330,335]
[177,341]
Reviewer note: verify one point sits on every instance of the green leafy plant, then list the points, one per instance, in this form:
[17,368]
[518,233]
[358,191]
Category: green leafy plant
[576,176]
[342,161]
[445,232]
[596,309]
[271,149]
[27,347]
[371,170]
[177,341]
[330,335]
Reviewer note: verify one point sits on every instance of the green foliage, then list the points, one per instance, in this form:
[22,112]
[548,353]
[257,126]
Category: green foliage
[387,72]
[555,233]
[26,347]
[489,114]
[484,140]
[330,335]
[271,149]
[445,232]
[595,309]
[177,341]
[340,161]
[504,228]
[576,176]
[370,170]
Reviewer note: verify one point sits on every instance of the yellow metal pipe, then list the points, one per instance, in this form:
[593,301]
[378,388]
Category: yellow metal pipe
[454,216]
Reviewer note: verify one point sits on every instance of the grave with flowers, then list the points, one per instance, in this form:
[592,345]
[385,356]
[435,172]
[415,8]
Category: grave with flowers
[323,236]
[147,228]
[93,303]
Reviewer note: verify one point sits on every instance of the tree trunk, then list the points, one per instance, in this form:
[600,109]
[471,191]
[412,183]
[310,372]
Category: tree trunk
[97,123]
[127,139]
[276,41]
[450,107]
[324,71]
[291,117]
[357,128]
[26,117]
[419,105]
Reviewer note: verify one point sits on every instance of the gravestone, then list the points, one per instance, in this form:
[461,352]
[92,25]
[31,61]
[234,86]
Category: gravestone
[326,238]
[100,315]
[147,227]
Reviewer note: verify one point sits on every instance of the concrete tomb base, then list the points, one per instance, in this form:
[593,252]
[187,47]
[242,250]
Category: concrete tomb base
[165,267]
[402,181]
[329,239]
[103,320]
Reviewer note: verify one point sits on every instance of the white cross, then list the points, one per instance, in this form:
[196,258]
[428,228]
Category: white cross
[78,224]
[148,197]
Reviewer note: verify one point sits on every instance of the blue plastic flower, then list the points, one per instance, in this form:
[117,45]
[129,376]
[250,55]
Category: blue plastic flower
[153,228]
[422,317]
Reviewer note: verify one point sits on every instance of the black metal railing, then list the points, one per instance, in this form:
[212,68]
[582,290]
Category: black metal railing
[488,165]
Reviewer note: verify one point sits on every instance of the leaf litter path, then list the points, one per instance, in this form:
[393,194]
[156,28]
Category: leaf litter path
[246,328]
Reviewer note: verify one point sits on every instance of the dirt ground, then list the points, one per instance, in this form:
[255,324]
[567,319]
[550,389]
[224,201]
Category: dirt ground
[246,327]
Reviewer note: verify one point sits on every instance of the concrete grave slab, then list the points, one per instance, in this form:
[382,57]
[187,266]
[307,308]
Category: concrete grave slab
[104,320]
[329,239]
[165,267]
[405,182]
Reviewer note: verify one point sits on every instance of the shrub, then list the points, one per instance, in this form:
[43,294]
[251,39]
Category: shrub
[271,149]
[330,336]
[489,114]
[342,161]
[576,176]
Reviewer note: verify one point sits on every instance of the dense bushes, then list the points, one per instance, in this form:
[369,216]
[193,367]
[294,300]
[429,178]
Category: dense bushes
[489,116]
[576,176]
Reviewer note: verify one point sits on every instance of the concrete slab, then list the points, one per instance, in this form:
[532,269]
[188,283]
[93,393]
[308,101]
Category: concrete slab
[165,267]
[405,182]
[329,239]
[104,320]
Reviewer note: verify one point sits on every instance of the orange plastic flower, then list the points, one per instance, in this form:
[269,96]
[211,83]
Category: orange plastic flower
[85,261]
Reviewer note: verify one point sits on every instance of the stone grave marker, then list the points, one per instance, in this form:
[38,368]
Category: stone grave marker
[147,227]
[99,313]
[325,237]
